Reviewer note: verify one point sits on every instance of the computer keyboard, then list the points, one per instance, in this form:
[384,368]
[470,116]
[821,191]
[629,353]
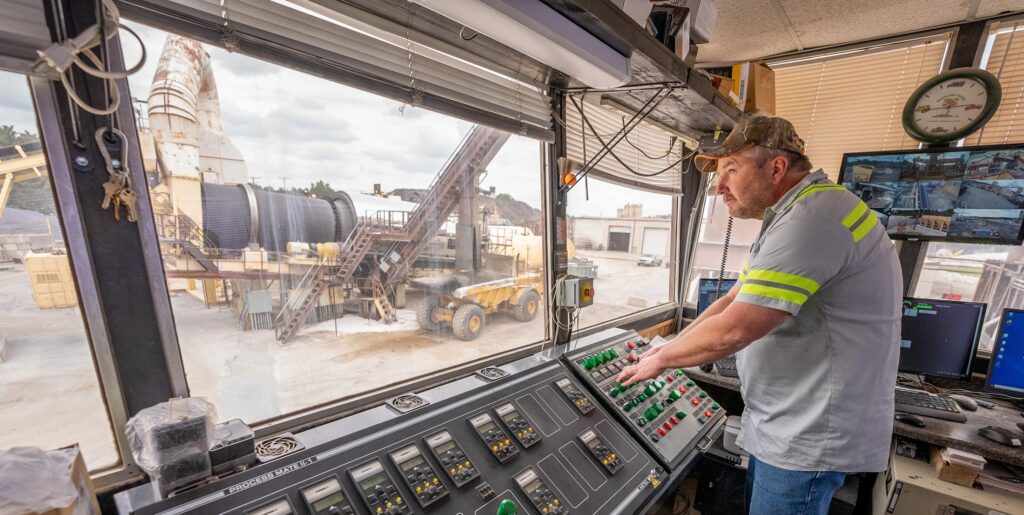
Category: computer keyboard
[928,405]
[727,367]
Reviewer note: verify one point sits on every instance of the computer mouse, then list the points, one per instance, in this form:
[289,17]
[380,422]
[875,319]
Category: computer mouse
[1000,435]
[965,402]
[911,419]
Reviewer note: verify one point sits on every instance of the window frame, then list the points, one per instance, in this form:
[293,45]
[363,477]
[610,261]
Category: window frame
[45,101]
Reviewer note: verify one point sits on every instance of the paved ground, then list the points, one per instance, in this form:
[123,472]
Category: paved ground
[48,385]
[975,197]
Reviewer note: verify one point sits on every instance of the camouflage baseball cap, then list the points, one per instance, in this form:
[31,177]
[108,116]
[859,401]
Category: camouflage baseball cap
[767,131]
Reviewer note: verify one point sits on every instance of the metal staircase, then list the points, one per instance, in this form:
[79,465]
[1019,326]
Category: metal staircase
[305,297]
[477,150]
[408,235]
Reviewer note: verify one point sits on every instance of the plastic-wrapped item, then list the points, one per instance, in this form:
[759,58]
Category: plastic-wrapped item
[33,480]
[171,441]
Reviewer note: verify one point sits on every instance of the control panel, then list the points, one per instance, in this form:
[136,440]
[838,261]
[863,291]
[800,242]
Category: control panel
[518,442]
[495,438]
[670,414]
[575,396]
[378,489]
[539,493]
[523,430]
[326,498]
[600,451]
[452,458]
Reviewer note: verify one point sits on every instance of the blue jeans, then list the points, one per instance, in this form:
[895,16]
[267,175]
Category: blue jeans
[772,490]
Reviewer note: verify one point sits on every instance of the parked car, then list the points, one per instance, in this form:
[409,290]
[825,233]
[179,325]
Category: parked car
[649,260]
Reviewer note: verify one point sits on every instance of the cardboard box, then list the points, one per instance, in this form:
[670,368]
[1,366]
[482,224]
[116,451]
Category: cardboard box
[86,501]
[952,472]
[723,85]
[753,89]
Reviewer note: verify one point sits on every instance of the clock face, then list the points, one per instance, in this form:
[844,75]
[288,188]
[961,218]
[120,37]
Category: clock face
[951,105]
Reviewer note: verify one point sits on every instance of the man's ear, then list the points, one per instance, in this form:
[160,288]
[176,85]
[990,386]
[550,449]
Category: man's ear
[779,167]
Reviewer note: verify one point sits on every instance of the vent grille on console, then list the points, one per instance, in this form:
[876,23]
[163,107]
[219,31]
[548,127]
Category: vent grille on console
[492,373]
[406,403]
[276,447]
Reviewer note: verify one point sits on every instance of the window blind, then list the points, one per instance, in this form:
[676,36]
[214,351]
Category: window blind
[647,149]
[1006,61]
[854,103]
[407,62]
[23,30]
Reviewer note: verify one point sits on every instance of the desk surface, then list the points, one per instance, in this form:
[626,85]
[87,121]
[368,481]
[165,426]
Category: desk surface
[938,432]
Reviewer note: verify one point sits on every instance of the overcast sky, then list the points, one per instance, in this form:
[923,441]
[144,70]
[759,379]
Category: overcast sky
[293,125]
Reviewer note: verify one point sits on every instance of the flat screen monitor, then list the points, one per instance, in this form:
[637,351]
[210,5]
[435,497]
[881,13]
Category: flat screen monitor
[939,337]
[707,292]
[1006,368]
[963,194]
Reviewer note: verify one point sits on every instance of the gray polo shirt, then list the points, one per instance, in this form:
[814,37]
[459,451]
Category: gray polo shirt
[819,388]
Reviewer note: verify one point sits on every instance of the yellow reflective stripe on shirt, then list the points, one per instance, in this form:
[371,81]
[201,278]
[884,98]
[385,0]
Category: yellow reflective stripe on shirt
[774,293]
[854,215]
[794,280]
[865,227]
[743,274]
[815,188]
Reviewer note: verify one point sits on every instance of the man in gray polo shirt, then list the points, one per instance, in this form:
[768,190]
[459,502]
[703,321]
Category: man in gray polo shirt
[814,320]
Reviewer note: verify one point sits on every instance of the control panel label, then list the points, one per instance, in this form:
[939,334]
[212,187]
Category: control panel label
[274,474]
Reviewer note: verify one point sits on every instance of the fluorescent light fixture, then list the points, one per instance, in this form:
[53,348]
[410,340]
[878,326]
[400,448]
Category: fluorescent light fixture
[542,33]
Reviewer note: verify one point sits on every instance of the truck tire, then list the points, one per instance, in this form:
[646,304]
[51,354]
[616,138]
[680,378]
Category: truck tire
[425,314]
[527,307]
[468,323]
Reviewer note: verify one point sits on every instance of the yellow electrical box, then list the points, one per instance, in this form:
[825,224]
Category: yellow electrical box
[53,286]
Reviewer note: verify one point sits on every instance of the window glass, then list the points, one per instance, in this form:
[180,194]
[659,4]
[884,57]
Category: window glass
[49,390]
[985,273]
[313,248]
[711,245]
[620,237]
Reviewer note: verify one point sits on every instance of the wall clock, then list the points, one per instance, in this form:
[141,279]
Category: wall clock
[951,105]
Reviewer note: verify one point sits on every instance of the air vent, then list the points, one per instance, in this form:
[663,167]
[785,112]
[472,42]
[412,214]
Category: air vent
[406,403]
[492,373]
[276,447]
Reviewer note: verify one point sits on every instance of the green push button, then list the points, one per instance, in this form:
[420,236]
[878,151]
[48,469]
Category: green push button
[715,405]
[507,507]
[679,373]
[642,397]
[680,415]
[658,408]
[703,395]
[674,396]
[588,363]
[613,393]
[613,353]
[690,383]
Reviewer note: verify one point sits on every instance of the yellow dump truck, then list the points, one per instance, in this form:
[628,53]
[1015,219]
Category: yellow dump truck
[465,309]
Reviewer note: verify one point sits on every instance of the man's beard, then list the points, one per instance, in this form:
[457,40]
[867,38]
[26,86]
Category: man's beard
[755,205]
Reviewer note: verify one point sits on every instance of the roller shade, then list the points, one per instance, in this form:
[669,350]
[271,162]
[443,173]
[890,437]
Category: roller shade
[23,30]
[1005,53]
[644,149]
[397,59]
[854,103]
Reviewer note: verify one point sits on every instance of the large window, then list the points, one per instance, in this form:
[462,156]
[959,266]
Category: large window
[321,242]
[986,273]
[50,394]
[620,237]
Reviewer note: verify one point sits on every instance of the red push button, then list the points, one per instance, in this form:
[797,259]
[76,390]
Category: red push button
[707,413]
[669,378]
[695,401]
[662,432]
[631,357]
[673,420]
[631,345]
[682,389]
[667,426]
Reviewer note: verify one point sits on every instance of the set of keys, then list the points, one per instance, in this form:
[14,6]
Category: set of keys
[117,191]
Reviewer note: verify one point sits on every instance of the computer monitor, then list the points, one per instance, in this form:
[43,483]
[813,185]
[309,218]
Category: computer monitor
[707,292]
[1006,368]
[963,194]
[939,337]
